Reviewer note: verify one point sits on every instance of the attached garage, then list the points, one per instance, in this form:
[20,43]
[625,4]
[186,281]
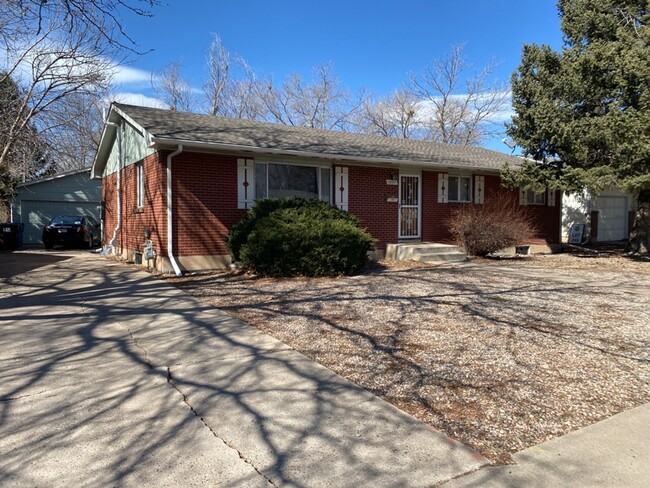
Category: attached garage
[606,217]
[612,217]
[37,202]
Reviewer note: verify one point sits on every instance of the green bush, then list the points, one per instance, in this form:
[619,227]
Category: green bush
[496,225]
[290,237]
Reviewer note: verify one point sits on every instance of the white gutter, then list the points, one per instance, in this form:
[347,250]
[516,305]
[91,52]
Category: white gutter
[170,233]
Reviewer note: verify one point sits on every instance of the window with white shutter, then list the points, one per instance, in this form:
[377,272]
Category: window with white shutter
[551,197]
[531,197]
[341,188]
[245,183]
[479,189]
[443,187]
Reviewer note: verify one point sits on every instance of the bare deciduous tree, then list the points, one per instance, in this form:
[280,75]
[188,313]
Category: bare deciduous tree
[393,116]
[54,50]
[172,88]
[321,104]
[76,130]
[241,97]
[457,111]
[218,67]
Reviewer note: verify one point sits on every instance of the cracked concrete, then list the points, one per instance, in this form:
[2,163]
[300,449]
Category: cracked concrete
[239,453]
[119,379]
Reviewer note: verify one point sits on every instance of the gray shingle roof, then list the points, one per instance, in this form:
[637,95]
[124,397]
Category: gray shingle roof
[178,127]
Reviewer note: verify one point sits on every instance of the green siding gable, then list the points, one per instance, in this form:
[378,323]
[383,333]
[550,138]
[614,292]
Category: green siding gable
[135,149]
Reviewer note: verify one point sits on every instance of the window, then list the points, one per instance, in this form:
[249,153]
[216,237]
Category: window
[139,168]
[284,180]
[460,189]
[531,197]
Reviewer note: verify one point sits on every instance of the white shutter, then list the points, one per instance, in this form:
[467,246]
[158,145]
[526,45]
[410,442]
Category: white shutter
[245,183]
[479,189]
[443,187]
[522,196]
[341,188]
[551,197]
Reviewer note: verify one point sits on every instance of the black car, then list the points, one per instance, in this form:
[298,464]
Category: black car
[71,230]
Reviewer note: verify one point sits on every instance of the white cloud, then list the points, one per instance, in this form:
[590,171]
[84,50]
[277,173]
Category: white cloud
[138,99]
[126,75]
[505,114]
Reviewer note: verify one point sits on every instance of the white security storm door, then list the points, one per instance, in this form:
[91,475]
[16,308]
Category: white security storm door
[612,218]
[409,206]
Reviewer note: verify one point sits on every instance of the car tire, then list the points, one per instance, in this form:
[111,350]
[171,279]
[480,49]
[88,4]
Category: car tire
[48,245]
[90,241]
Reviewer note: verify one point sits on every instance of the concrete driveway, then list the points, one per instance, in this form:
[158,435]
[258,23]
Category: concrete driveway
[109,377]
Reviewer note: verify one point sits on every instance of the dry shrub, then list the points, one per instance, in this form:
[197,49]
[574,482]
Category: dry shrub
[491,227]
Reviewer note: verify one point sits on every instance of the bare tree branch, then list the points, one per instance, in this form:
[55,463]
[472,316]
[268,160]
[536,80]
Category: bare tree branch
[172,88]
[457,112]
[218,66]
[393,116]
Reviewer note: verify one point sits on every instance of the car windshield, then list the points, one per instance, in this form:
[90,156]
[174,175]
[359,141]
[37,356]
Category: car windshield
[67,220]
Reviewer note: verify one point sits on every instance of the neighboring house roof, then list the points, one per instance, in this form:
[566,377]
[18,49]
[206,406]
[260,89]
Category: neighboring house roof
[166,128]
[54,177]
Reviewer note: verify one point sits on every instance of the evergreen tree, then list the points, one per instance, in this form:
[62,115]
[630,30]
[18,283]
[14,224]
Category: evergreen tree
[26,156]
[583,114]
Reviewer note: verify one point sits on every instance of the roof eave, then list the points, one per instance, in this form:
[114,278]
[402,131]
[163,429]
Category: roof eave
[159,142]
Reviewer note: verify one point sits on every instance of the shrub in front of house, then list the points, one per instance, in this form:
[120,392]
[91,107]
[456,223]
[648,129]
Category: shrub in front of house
[485,229]
[292,237]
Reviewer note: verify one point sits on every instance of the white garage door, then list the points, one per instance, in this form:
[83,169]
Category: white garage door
[37,214]
[612,218]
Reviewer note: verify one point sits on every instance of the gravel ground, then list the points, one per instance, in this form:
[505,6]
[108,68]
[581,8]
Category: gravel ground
[500,354]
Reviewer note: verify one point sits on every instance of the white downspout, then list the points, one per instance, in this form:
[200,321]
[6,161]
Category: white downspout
[170,234]
[118,128]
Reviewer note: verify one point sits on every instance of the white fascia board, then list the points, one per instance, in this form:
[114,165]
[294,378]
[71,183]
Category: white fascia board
[157,142]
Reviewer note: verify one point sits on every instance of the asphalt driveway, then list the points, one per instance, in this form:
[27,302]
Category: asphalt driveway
[110,377]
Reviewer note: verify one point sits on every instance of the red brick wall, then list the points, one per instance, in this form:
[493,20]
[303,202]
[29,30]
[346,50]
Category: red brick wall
[435,216]
[134,220]
[205,202]
[367,191]
[205,205]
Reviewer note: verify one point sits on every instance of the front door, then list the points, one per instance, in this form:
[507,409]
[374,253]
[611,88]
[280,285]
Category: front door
[409,206]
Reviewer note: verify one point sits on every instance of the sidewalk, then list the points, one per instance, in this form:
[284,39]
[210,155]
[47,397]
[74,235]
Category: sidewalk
[110,377]
[611,453]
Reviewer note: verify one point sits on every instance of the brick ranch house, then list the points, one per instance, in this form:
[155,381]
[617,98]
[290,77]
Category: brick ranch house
[185,179]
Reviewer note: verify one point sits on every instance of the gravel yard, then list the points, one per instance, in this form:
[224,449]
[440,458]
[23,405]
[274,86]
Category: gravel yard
[500,354]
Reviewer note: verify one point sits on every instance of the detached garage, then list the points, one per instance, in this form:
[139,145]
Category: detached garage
[38,201]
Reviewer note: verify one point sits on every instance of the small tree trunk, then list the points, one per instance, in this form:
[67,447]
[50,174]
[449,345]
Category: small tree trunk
[640,235]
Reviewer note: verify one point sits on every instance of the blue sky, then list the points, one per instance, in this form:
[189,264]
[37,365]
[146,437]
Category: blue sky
[372,44]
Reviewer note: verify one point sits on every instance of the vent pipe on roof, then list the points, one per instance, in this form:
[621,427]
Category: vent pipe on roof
[170,234]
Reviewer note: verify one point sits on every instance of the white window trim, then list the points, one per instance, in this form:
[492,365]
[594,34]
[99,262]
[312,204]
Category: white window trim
[523,198]
[140,189]
[471,187]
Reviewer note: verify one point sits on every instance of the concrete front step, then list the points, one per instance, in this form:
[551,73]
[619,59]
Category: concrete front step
[426,252]
[446,257]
